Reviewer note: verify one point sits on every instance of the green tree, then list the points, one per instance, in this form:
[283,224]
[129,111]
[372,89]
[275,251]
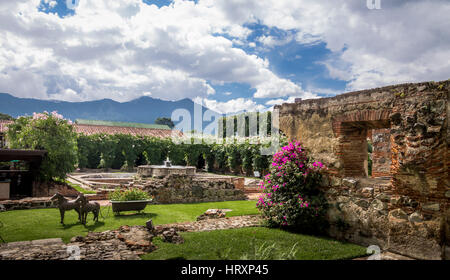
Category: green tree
[50,132]
[165,121]
[6,117]
[107,146]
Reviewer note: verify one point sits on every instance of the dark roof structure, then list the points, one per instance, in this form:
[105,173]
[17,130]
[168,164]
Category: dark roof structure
[28,155]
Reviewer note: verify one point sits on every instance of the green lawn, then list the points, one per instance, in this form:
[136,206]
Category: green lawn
[79,188]
[236,244]
[33,224]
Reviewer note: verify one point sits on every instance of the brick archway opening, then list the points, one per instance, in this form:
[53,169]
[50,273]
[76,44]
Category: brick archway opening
[355,132]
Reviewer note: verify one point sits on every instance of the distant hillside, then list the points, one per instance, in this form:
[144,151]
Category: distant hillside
[141,110]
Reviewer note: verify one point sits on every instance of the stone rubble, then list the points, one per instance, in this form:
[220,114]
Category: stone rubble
[125,243]
[212,214]
[387,256]
[213,224]
[172,236]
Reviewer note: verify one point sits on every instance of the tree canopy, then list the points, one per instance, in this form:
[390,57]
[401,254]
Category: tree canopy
[6,117]
[50,132]
[165,121]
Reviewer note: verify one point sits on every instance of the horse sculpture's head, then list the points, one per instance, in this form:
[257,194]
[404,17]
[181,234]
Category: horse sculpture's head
[56,196]
[81,199]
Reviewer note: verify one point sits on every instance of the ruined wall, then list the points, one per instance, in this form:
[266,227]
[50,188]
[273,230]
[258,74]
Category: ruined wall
[187,189]
[381,154]
[409,213]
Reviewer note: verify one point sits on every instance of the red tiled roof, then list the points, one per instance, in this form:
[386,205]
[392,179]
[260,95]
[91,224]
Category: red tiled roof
[97,129]
[111,130]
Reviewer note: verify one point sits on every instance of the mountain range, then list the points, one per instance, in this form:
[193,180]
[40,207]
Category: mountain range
[142,110]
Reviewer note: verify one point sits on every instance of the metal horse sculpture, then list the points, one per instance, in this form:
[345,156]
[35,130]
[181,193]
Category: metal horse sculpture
[64,205]
[86,207]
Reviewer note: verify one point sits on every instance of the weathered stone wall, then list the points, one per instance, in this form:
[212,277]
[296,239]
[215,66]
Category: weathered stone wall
[158,171]
[50,188]
[185,189]
[409,213]
[381,153]
[27,203]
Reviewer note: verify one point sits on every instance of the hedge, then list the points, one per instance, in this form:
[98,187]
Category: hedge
[126,151]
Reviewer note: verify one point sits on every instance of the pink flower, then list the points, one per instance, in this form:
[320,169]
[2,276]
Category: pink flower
[39,116]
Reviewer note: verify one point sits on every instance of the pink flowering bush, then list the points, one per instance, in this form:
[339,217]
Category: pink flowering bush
[291,197]
[50,132]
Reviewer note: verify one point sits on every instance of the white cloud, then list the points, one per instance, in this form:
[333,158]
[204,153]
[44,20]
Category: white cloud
[125,48]
[291,99]
[405,41]
[231,106]
[281,101]
[271,41]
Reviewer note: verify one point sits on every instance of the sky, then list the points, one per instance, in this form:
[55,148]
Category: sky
[229,55]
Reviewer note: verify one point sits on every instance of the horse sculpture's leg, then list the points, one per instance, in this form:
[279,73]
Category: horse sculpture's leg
[97,211]
[61,212]
[79,214]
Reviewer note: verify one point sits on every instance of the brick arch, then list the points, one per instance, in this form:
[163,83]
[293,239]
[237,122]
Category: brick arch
[369,118]
[352,130]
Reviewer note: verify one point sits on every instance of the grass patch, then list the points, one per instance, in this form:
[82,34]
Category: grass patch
[233,175]
[75,186]
[248,243]
[20,225]
[80,189]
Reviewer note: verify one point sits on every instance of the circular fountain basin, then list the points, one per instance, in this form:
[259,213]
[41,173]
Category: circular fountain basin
[163,171]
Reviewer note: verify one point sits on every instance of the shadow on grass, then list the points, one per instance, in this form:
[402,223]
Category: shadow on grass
[135,215]
[67,226]
[89,226]
[94,226]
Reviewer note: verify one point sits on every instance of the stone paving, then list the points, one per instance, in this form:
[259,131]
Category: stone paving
[214,224]
[388,256]
[126,243]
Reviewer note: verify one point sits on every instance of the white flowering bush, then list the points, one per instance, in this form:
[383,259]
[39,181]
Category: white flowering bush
[50,132]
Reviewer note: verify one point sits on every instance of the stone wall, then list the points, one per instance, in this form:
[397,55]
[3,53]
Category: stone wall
[48,189]
[161,171]
[409,213]
[381,153]
[187,189]
[27,203]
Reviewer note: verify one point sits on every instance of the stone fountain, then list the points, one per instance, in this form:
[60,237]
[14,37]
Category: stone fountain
[164,170]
